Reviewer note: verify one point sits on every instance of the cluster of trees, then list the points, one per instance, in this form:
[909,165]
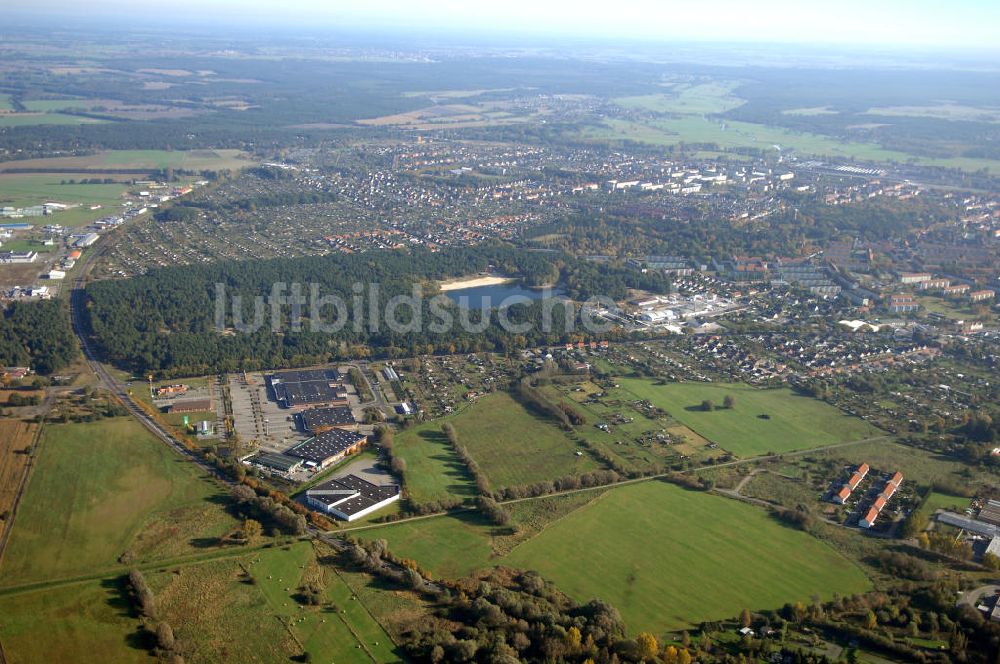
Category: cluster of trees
[533,398]
[37,335]
[512,616]
[565,483]
[266,509]
[697,231]
[496,512]
[166,321]
[165,646]
[902,565]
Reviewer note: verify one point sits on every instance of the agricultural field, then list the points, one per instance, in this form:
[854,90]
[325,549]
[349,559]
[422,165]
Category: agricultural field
[943,111]
[659,550]
[515,447]
[15,438]
[433,471]
[91,620]
[727,134]
[451,546]
[106,487]
[761,421]
[26,189]
[653,550]
[140,160]
[450,116]
[699,99]
[210,605]
[35,119]
[456,545]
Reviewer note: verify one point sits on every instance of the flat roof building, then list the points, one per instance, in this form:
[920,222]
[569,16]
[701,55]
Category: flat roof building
[190,406]
[318,420]
[297,389]
[281,464]
[351,497]
[328,447]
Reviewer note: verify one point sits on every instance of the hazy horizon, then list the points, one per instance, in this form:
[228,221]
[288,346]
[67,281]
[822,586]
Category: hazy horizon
[894,24]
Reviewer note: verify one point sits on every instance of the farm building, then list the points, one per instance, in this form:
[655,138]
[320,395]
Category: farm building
[351,497]
[313,387]
[318,420]
[328,447]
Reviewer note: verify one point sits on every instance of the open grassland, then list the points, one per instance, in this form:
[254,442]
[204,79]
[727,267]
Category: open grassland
[433,471]
[938,500]
[140,160]
[211,605]
[15,439]
[515,447]
[24,190]
[793,422]
[102,488]
[75,623]
[728,134]
[35,119]
[916,465]
[702,98]
[450,546]
[944,111]
[667,557]
[456,545]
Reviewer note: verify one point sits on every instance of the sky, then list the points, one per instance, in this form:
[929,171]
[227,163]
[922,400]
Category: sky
[963,24]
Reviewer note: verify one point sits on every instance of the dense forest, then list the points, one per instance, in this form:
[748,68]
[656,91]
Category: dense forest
[804,225]
[37,335]
[166,321]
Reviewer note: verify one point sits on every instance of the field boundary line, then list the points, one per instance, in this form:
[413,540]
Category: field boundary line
[23,484]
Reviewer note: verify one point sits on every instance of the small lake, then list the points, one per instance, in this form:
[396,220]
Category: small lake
[500,295]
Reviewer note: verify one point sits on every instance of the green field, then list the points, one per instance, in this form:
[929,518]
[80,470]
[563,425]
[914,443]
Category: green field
[33,119]
[80,622]
[433,471]
[212,604]
[141,160]
[23,190]
[794,422]
[101,488]
[511,446]
[944,501]
[704,98]
[916,465]
[731,134]
[514,447]
[667,558]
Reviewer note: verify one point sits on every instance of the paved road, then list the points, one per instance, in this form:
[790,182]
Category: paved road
[77,302]
[970,597]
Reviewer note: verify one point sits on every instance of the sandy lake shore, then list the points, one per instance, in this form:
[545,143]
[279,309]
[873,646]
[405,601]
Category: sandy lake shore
[472,282]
